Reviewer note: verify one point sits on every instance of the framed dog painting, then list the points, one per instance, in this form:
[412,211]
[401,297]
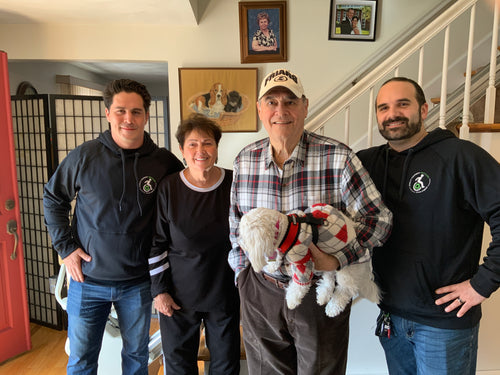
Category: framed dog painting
[226,95]
[353,20]
[263,31]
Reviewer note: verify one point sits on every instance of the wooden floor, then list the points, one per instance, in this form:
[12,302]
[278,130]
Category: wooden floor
[47,355]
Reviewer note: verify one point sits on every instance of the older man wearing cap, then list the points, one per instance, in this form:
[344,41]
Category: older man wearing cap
[291,170]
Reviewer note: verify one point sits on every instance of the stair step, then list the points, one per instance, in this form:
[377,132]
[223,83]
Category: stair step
[472,73]
[483,128]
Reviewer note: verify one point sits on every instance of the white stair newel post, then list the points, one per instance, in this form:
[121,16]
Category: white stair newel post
[489,105]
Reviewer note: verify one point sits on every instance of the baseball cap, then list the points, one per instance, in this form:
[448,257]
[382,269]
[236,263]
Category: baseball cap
[281,78]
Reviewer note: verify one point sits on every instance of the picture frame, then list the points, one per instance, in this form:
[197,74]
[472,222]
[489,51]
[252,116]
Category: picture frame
[261,50]
[226,95]
[341,28]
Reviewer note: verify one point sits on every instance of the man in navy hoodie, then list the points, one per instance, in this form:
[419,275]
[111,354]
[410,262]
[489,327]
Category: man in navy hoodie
[441,191]
[106,246]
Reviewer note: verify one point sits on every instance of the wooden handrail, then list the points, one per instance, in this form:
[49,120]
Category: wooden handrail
[483,128]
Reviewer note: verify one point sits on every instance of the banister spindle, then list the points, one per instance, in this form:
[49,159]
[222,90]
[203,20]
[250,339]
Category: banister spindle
[420,66]
[444,80]
[464,129]
[371,104]
[489,105]
[346,124]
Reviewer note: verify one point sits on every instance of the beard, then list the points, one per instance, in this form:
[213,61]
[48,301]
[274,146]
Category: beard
[411,128]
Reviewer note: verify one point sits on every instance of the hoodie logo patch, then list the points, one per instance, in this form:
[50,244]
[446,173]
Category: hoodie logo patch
[147,184]
[419,182]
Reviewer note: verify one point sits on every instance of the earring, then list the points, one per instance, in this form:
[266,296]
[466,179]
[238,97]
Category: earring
[184,161]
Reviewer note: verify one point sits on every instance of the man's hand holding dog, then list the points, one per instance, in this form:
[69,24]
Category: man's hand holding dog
[323,261]
[165,304]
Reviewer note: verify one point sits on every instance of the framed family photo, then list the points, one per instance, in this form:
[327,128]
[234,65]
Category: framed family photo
[353,20]
[263,31]
[226,95]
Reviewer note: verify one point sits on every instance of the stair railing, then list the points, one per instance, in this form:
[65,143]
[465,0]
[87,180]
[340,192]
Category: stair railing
[391,66]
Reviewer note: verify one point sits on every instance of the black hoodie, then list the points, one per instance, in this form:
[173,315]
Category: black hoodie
[441,192]
[115,192]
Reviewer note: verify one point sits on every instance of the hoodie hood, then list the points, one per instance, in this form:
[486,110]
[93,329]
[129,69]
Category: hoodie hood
[148,147]
[431,139]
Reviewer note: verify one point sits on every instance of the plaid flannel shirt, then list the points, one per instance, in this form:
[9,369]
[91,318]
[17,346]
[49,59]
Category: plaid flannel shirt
[320,170]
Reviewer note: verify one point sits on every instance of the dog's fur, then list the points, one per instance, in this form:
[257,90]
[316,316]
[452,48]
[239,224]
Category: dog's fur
[262,232]
[214,101]
[234,102]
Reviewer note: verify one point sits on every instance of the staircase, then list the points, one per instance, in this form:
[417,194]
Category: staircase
[463,101]
[454,108]
[346,116]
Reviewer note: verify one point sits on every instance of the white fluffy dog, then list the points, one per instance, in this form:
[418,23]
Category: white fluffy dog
[270,237]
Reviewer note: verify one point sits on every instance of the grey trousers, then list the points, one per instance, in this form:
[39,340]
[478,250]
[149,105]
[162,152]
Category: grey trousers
[302,341]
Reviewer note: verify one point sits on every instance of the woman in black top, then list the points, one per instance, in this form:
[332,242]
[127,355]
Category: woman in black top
[191,279]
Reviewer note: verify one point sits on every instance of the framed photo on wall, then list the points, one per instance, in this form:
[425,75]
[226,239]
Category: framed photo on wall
[353,20]
[226,95]
[263,31]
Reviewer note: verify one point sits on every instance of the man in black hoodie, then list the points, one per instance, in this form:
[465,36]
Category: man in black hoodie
[105,248]
[441,191]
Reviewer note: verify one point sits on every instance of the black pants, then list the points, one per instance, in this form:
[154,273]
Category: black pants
[278,340]
[180,336]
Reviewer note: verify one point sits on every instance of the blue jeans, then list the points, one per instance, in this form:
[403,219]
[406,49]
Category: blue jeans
[88,308]
[417,349]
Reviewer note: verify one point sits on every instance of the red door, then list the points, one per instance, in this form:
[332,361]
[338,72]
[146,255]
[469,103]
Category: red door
[14,318]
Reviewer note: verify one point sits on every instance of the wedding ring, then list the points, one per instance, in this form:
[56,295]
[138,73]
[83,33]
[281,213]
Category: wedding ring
[460,300]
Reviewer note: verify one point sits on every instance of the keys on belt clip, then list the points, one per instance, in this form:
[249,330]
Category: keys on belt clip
[383,328]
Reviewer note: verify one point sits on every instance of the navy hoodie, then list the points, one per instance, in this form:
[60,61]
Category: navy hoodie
[441,192]
[115,192]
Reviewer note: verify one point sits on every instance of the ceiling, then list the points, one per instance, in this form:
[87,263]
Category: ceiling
[157,12]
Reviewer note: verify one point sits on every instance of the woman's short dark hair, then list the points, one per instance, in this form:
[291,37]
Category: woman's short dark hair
[119,85]
[198,122]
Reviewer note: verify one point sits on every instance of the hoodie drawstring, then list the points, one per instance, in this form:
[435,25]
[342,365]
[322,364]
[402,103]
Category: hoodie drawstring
[136,159]
[386,171]
[123,179]
[137,197]
[405,171]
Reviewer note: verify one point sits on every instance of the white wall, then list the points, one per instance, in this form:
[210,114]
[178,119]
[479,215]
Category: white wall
[43,78]
[321,63]
[489,341]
